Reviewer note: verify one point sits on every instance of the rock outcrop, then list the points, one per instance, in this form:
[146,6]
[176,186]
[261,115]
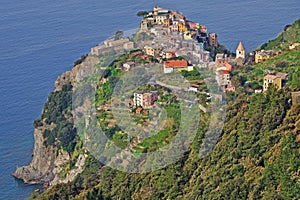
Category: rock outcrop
[40,169]
[48,161]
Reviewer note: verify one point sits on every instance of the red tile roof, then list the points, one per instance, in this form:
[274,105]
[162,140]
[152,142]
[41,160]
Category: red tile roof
[225,72]
[139,109]
[175,63]
[196,86]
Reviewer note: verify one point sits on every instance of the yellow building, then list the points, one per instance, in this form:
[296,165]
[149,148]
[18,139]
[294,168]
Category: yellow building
[149,50]
[272,79]
[182,27]
[261,56]
[152,51]
[188,35]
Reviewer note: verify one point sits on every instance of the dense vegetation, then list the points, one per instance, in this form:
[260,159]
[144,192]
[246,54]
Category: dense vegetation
[257,156]
[57,118]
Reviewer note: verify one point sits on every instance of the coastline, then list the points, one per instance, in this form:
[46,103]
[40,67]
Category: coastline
[32,182]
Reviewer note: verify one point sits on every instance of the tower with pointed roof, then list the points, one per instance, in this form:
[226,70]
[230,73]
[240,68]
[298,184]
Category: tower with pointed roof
[240,51]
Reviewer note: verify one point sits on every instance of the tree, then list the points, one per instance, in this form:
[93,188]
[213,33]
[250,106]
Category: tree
[106,73]
[142,13]
[295,83]
[118,35]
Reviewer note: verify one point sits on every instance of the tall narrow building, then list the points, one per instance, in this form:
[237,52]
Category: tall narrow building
[240,51]
[213,39]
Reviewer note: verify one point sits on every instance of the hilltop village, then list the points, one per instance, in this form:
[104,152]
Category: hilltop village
[167,37]
[255,157]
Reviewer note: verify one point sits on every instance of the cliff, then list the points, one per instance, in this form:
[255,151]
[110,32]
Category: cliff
[40,169]
[49,160]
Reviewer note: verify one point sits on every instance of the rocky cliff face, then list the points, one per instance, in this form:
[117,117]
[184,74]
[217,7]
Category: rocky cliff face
[48,161]
[41,166]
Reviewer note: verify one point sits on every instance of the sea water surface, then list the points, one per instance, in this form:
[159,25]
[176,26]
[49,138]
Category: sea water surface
[41,39]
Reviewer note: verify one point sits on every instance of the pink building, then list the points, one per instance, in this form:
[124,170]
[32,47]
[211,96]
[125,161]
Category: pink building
[149,99]
[145,99]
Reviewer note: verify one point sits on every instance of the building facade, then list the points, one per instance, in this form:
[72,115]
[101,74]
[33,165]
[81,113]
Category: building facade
[145,99]
[240,51]
[261,56]
[180,65]
[213,39]
[272,79]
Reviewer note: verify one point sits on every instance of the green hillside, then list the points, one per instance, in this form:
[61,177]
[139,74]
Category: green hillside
[289,36]
[257,156]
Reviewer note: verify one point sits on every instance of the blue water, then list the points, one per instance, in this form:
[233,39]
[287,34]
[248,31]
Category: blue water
[40,39]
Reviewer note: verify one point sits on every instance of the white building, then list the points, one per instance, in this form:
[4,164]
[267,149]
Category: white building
[138,99]
[128,65]
[240,51]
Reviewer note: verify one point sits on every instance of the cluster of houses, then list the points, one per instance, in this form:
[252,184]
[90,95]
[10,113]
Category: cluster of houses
[223,66]
[176,36]
[173,36]
[175,21]
[179,44]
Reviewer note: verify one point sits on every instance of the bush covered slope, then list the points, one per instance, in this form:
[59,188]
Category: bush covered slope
[257,157]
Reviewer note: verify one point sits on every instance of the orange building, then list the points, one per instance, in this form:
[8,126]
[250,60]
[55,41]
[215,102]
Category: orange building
[182,27]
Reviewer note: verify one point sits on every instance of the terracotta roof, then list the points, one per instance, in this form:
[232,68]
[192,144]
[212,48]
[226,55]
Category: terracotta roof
[175,63]
[241,47]
[139,109]
[225,72]
[195,86]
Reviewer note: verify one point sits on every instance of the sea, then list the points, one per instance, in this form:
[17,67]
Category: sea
[41,39]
